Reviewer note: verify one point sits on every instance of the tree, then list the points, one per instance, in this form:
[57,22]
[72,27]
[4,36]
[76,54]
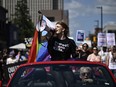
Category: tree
[23,20]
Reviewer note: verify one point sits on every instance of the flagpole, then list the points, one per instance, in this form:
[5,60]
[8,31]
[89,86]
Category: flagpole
[40,21]
[40,16]
[37,44]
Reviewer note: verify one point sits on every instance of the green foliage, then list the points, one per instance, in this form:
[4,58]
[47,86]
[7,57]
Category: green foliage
[22,20]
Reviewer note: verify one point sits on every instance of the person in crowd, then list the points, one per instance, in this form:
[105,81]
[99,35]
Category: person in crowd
[86,75]
[78,53]
[103,53]
[20,56]
[94,57]
[85,52]
[111,60]
[60,47]
[11,59]
[27,54]
[12,52]
[4,55]
[1,69]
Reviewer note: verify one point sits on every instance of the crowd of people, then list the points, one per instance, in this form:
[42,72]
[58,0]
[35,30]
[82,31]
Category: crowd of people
[61,47]
[8,56]
[13,56]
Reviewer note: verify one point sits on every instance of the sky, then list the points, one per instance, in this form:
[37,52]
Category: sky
[84,13]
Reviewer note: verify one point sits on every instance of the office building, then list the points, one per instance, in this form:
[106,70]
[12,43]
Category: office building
[110,28]
[53,9]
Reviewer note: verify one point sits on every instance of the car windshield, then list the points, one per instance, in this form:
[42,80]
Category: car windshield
[62,75]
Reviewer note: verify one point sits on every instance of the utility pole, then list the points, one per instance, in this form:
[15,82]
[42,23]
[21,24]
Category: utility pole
[101,17]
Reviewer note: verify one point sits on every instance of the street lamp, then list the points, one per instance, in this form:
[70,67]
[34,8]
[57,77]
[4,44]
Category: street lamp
[101,17]
[97,23]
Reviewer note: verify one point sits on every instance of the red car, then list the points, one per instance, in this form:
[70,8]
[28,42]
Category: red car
[0,83]
[62,74]
[0,79]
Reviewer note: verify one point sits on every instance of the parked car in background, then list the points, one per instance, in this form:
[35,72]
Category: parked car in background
[62,74]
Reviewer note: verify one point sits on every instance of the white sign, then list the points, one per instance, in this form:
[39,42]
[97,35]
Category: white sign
[106,39]
[110,39]
[101,39]
[28,41]
[80,36]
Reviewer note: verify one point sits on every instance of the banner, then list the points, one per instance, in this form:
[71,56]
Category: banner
[10,69]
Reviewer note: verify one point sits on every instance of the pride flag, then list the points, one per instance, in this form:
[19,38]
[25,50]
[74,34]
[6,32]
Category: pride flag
[38,51]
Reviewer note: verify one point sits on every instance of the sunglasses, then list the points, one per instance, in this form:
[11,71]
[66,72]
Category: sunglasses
[85,73]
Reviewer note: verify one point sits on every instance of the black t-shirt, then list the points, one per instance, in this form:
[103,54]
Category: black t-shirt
[83,55]
[61,49]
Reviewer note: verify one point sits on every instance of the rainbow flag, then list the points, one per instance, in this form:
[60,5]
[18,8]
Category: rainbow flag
[38,51]
[42,54]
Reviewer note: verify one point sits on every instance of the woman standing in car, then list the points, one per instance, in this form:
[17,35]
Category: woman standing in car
[60,47]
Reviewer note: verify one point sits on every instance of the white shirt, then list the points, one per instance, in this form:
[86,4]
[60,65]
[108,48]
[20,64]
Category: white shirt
[103,56]
[10,60]
[112,64]
[94,58]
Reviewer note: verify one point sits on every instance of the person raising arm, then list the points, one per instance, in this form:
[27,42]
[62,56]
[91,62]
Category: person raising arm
[60,47]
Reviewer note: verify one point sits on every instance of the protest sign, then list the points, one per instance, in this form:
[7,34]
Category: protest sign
[80,36]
